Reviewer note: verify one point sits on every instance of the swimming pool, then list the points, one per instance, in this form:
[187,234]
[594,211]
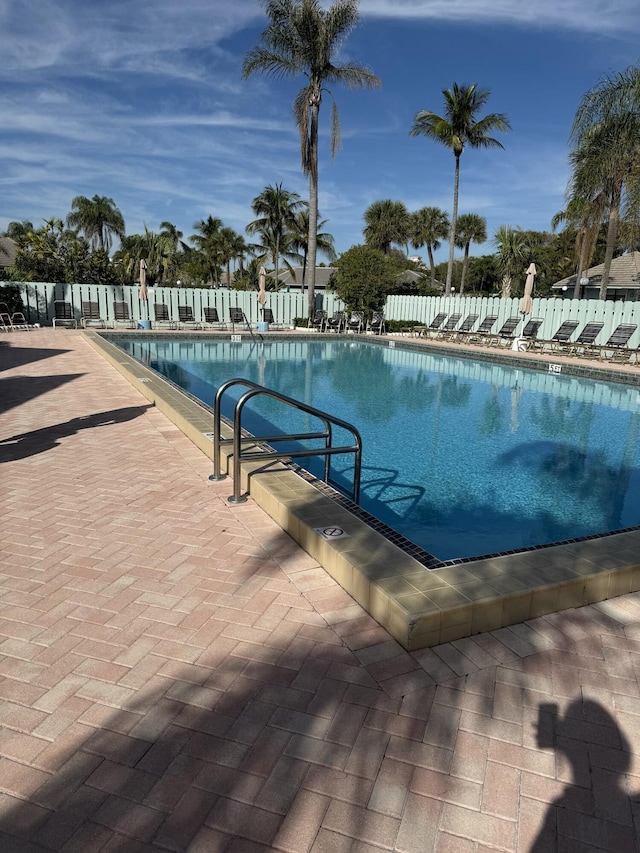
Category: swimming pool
[462,457]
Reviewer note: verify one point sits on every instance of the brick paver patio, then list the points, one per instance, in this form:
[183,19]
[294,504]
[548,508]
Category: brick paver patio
[176,674]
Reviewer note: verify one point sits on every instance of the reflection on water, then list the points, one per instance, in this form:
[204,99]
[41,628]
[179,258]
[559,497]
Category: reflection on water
[462,458]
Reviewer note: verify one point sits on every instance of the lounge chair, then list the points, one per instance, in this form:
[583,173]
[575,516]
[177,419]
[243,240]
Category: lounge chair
[212,318]
[584,343]
[483,329]
[267,316]
[561,337]
[186,320]
[449,327]
[11,322]
[356,322]
[506,333]
[63,315]
[121,316]
[530,331]
[5,319]
[318,321]
[434,325]
[527,336]
[236,315]
[161,316]
[617,344]
[376,324]
[337,322]
[91,316]
[465,327]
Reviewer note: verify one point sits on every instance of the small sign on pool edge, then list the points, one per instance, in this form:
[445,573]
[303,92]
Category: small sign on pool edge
[331,531]
[236,339]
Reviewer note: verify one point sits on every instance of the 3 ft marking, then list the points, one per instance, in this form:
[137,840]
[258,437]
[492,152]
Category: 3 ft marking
[236,339]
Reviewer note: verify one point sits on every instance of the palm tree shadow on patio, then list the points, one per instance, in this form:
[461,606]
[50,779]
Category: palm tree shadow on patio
[252,721]
[17,390]
[39,441]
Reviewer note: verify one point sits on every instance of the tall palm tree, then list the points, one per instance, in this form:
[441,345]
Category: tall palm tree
[585,216]
[386,222]
[98,219]
[231,245]
[300,239]
[302,38]
[170,238]
[470,228]
[208,244]
[617,93]
[456,129]
[606,154]
[512,254]
[427,227]
[19,231]
[276,210]
[149,247]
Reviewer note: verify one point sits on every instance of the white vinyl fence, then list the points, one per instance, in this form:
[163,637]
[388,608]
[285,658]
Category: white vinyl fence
[38,299]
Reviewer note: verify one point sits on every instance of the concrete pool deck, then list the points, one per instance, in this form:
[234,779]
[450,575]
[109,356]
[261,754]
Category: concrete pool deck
[177,674]
[418,606]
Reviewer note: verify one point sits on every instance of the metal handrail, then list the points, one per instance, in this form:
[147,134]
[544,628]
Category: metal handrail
[239,440]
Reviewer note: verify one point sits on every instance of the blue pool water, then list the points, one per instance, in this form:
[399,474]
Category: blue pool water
[463,458]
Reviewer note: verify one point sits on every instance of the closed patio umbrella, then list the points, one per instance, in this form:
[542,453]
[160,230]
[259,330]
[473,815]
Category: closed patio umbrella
[526,305]
[143,280]
[262,285]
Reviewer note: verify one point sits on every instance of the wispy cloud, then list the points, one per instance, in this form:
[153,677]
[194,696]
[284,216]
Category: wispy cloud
[145,103]
[581,15]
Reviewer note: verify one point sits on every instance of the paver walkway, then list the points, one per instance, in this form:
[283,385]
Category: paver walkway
[176,674]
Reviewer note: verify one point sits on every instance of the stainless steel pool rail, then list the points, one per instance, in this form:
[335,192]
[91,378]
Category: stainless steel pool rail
[268,454]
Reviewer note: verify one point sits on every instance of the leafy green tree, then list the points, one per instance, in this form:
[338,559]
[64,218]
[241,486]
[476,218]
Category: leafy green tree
[207,241]
[11,296]
[276,210]
[170,239]
[98,219]
[149,247]
[458,128]
[232,247]
[427,227]
[363,277]
[19,231]
[470,228]
[386,222]
[53,253]
[483,276]
[302,39]
[248,277]
[511,255]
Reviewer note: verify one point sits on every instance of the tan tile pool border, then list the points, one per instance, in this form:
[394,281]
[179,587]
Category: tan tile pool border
[420,607]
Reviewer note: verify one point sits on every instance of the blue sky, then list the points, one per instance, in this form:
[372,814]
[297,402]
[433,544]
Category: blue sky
[144,102]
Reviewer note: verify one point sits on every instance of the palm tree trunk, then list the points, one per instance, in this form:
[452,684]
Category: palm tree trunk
[452,233]
[432,264]
[612,233]
[506,286]
[465,264]
[581,265]
[313,207]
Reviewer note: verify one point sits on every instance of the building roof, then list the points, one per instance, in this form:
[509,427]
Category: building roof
[323,274]
[625,274]
[8,249]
